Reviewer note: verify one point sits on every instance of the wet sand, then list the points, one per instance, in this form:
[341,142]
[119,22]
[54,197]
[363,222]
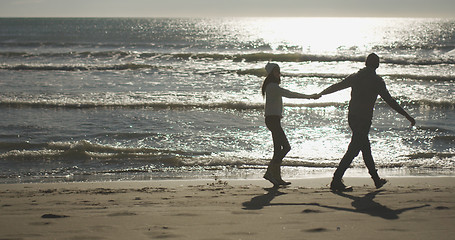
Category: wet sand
[405,208]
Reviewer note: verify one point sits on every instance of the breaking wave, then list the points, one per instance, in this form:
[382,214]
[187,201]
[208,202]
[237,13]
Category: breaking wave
[256,72]
[262,73]
[84,150]
[164,105]
[247,57]
[235,105]
[97,153]
[129,66]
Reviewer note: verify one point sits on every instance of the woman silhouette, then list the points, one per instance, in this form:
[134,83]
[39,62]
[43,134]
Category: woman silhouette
[273,94]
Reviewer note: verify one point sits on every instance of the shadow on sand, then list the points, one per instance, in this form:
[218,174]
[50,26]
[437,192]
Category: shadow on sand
[364,204]
[261,201]
[367,205]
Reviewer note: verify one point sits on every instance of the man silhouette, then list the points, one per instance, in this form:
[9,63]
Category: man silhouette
[365,87]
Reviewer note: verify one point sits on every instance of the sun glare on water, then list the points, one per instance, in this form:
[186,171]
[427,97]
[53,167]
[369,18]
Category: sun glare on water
[319,35]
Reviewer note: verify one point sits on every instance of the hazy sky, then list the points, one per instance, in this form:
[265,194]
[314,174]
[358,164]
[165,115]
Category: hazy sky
[203,8]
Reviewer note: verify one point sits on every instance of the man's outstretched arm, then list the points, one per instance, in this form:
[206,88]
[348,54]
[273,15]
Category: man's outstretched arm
[335,88]
[395,106]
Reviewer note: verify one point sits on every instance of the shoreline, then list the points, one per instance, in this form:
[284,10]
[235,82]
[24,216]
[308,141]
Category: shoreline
[405,208]
[228,173]
[316,182]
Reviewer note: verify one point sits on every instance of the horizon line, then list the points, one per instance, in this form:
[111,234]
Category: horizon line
[201,17]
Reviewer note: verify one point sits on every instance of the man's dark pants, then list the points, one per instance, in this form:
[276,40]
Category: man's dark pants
[359,142]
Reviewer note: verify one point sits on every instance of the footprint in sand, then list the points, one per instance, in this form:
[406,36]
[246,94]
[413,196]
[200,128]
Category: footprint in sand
[50,215]
[316,230]
[121,214]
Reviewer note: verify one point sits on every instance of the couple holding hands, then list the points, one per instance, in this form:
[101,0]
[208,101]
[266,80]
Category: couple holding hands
[365,86]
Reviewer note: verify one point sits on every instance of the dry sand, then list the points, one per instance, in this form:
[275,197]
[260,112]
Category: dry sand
[406,208]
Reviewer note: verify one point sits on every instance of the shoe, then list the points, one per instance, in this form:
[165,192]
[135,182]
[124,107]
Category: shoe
[283,183]
[268,176]
[379,183]
[338,186]
[276,170]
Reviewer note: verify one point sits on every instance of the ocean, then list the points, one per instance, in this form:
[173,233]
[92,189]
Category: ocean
[107,99]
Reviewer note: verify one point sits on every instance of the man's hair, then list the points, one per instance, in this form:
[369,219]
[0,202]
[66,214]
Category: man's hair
[372,61]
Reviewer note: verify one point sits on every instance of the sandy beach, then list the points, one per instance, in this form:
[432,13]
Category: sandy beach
[406,208]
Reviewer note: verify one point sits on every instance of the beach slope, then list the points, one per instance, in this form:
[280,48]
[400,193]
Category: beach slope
[406,208]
